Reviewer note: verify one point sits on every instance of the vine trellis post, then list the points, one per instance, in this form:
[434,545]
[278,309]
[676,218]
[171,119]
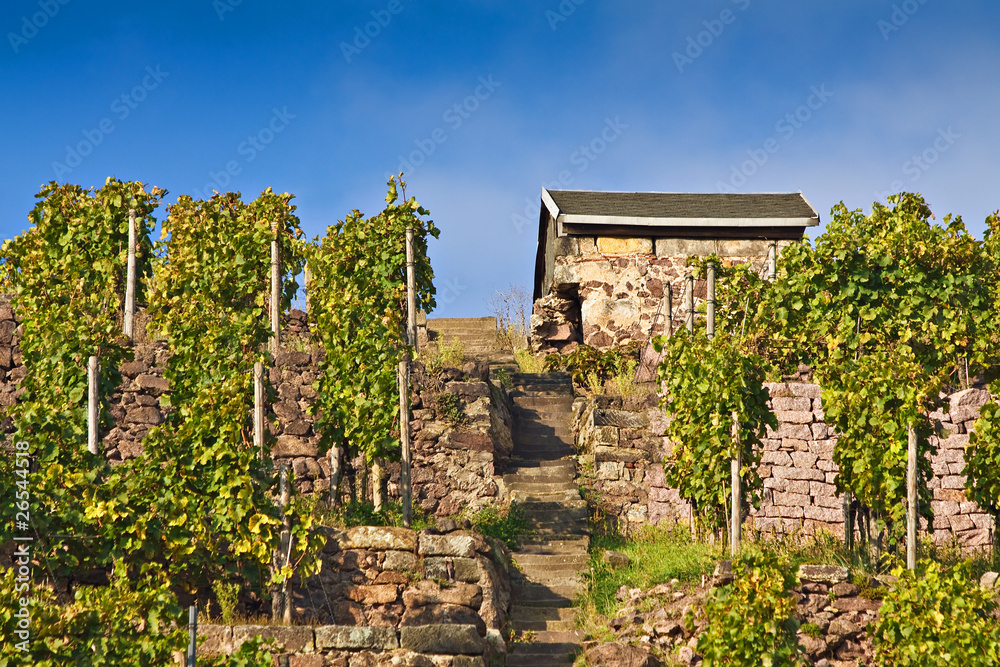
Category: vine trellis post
[404,381]
[689,296]
[258,407]
[911,497]
[93,403]
[128,321]
[275,291]
[710,302]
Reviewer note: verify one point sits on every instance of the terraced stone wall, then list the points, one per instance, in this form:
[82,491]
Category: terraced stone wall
[624,444]
[459,453]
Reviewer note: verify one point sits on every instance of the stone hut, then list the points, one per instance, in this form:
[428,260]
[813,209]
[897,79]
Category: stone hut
[605,259]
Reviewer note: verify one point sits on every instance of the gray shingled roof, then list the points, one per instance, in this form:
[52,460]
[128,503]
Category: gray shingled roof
[682,205]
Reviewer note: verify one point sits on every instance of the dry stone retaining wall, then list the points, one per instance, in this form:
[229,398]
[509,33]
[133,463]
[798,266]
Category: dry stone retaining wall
[391,596]
[458,458]
[624,446]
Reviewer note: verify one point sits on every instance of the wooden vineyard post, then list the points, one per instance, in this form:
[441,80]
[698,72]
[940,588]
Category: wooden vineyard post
[334,475]
[670,310]
[710,302]
[911,497]
[192,651]
[130,278]
[258,407]
[689,295]
[275,291]
[735,511]
[406,489]
[772,260]
[93,404]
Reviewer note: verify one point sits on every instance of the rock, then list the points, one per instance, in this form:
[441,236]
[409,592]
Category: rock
[989,580]
[293,446]
[620,655]
[290,639]
[381,538]
[286,359]
[686,656]
[445,525]
[723,574]
[447,545]
[355,638]
[154,383]
[843,628]
[470,389]
[372,594]
[452,569]
[831,574]
[427,592]
[616,559]
[442,639]
[144,415]
[400,561]
[844,589]
[443,614]
[215,640]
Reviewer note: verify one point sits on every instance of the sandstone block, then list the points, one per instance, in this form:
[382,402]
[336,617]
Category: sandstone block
[825,514]
[154,383]
[215,640]
[290,639]
[624,246]
[856,604]
[973,398]
[461,569]
[791,404]
[953,482]
[961,522]
[798,473]
[429,593]
[828,574]
[463,546]
[350,638]
[380,538]
[820,430]
[804,459]
[400,561]
[626,455]
[442,639]
[292,445]
[474,388]
[828,501]
[287,359]
[443,614]
[792,417]
[806,390]
[143,415]
[822,489]
[954,495]
[776,458]
[372,594]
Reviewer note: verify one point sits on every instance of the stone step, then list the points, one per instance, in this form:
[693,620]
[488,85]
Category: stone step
[549,496]
[541,614]
[539,660]
[569,464]
[544,626]
[540,475]
[549,644]
[543,487]
[544,453]
[540,437]
[530,402]
[565,515]
[577,560]
[564,547]
[535,507]
[546,595]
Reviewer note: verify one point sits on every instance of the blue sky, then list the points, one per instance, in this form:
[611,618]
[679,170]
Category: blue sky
[487,101]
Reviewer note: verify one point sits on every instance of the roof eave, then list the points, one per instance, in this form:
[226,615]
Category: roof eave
[681,222]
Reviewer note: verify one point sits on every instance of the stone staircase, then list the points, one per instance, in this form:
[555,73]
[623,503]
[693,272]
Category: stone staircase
[478,334]
[541,478]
